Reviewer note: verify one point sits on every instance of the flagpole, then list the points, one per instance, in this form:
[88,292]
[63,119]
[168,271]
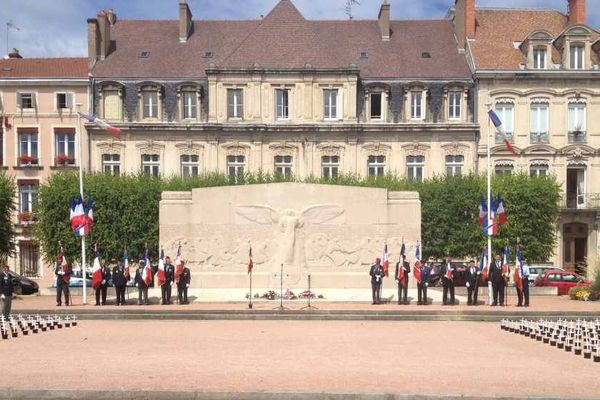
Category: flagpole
[489,189]
[83,270]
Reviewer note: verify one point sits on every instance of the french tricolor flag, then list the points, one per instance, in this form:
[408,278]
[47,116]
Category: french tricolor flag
[500,128]
[160,272]
[92,119]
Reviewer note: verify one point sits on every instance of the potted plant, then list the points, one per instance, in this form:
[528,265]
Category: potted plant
[63,159]
[25,159]
[25,216]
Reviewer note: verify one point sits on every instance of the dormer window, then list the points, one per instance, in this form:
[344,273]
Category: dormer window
[539,58]
[111,103]
[454,104]
[417,104]
[150,103]
[577,55]
[376,109]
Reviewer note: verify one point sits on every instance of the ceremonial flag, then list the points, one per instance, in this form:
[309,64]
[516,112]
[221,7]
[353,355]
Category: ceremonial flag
[500,211]
[449,272]
[160,272]
[482,210]
[490,227]
[519,270]
[250,263]
[505,261]
[89,213]
[386,261]
[81,217]
[62,261]
[116,132]
[178,264]
[126,265]
[96,270]
[147,273]
[500,129]
[417,269]
[401,265]
[418,252]
[483,266]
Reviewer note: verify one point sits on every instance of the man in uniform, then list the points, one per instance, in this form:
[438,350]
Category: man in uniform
[183,284]
[422,284]
[448,272]
[498,282]
[141,284]
[102,289]
[120,282]
[169,279]
[6,291]
[472,282]
[402,271]
[63,277]
[376,273]
[525,277]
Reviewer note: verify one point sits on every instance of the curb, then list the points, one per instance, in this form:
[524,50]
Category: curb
[73,394]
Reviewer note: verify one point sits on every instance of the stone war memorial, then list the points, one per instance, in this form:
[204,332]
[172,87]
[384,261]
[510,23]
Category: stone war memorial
[332,233]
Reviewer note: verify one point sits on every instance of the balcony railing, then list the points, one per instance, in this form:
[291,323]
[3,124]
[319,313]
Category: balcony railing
[539,137]
[500,138]
[585,201]
[577,137]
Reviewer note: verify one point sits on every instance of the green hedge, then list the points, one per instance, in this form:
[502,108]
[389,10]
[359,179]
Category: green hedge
[7,207]
[126,210]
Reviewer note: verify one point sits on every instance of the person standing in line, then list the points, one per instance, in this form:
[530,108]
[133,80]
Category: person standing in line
[169,279]
[141,283]
[6,291]
[63,274]
[183,284]
[120,282]
[525,277]
[496,277]
[103,287]
[376,273]
[402,273]
[448,271]
[472,283]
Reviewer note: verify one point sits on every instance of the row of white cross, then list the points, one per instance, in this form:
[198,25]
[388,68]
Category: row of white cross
[10,327]
[580,336]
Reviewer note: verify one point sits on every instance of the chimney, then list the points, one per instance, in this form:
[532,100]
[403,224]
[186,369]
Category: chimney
[14,53]
[104,28]
[464,21]
[185,21]
[577,14]
[93,41]
[384,21]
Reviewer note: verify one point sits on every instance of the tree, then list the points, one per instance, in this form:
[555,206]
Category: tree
[7,208]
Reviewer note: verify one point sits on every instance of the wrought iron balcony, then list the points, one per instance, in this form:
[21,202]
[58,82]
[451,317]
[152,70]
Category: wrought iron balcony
[539,137]
[585,201]
[577,137]
[500,138]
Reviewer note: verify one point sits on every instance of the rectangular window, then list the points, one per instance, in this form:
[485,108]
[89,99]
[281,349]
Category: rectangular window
[235,103]
[454,165]
[539,58]
[330,104]
[538,170]
[539,123]
[376,106]
[65,147]
[577,53]
[150,104]
[29,259]
[505,112]
[151,164]
[27,197]
[64,100]
[330,166]
[503,169]
[284,165]
[454,105]
[282,103]
[415,166]
[376,165]
[111,105]
[189,165]
[235,166]
[28,148]
[416,105]
[190,100]
[577,123]
[26,101]
[111,164]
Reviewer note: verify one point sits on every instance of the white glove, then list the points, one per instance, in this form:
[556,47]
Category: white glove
[103,281]
[2,297]
[136,285]
[61,272]
[171,283]
[426,284]
[187,285]
[468,285]
[397,280]
[478,272]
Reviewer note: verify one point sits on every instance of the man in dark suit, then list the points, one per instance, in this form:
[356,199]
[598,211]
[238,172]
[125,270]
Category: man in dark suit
[472,283]
[498,282]
[103,288]
[402,271]
[423,284]
[63,278]
[141,284]
[448,271]
[120,282]
[6,291]
[169,279]
[376,273]
[525,275]
[183,284]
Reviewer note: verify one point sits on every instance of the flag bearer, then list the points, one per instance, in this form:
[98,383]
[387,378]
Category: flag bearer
[169,279]
[140,283]
[183,284]
[472,283]
[376,273]
[120,281]
[402,271]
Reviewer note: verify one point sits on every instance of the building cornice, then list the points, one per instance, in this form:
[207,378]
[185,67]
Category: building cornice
[44,81]
[536,74]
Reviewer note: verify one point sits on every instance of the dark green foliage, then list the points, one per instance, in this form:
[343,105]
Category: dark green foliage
[7,206]
[126,210]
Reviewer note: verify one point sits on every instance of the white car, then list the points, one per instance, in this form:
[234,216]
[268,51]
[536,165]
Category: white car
[536,270]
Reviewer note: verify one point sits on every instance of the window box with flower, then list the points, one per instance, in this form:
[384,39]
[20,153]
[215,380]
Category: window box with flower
[64,159]
[26,160]
[25,217]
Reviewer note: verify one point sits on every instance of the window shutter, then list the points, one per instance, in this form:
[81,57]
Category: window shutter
[19,100]
[33,101]
[69,100]
[230,110]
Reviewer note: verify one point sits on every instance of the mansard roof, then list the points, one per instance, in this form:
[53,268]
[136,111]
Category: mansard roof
[284,39]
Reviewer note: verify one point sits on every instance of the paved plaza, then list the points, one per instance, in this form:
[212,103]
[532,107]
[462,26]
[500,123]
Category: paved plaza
[425,358]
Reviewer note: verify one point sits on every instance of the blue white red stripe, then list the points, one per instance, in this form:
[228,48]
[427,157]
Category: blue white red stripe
[92,119]
[500,129]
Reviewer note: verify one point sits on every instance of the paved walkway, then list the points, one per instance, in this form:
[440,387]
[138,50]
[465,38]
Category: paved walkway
[419,358]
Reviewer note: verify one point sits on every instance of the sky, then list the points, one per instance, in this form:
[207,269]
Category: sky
[57,28]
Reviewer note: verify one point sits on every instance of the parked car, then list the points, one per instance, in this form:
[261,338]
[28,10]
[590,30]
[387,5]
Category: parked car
[22,285]
[77,280]
[435,276]
[536,270]
[561,279]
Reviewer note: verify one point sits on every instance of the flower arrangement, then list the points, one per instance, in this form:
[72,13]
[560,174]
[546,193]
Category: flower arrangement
[25,159]
[584,293]
[26,216]
[64,159]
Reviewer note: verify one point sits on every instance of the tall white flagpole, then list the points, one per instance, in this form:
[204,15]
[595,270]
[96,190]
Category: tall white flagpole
[80,138]
[489,200]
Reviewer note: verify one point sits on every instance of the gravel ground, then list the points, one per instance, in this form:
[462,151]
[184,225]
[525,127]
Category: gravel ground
[456,358]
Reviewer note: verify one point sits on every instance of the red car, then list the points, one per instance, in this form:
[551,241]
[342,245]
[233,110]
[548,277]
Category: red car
[563,280]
